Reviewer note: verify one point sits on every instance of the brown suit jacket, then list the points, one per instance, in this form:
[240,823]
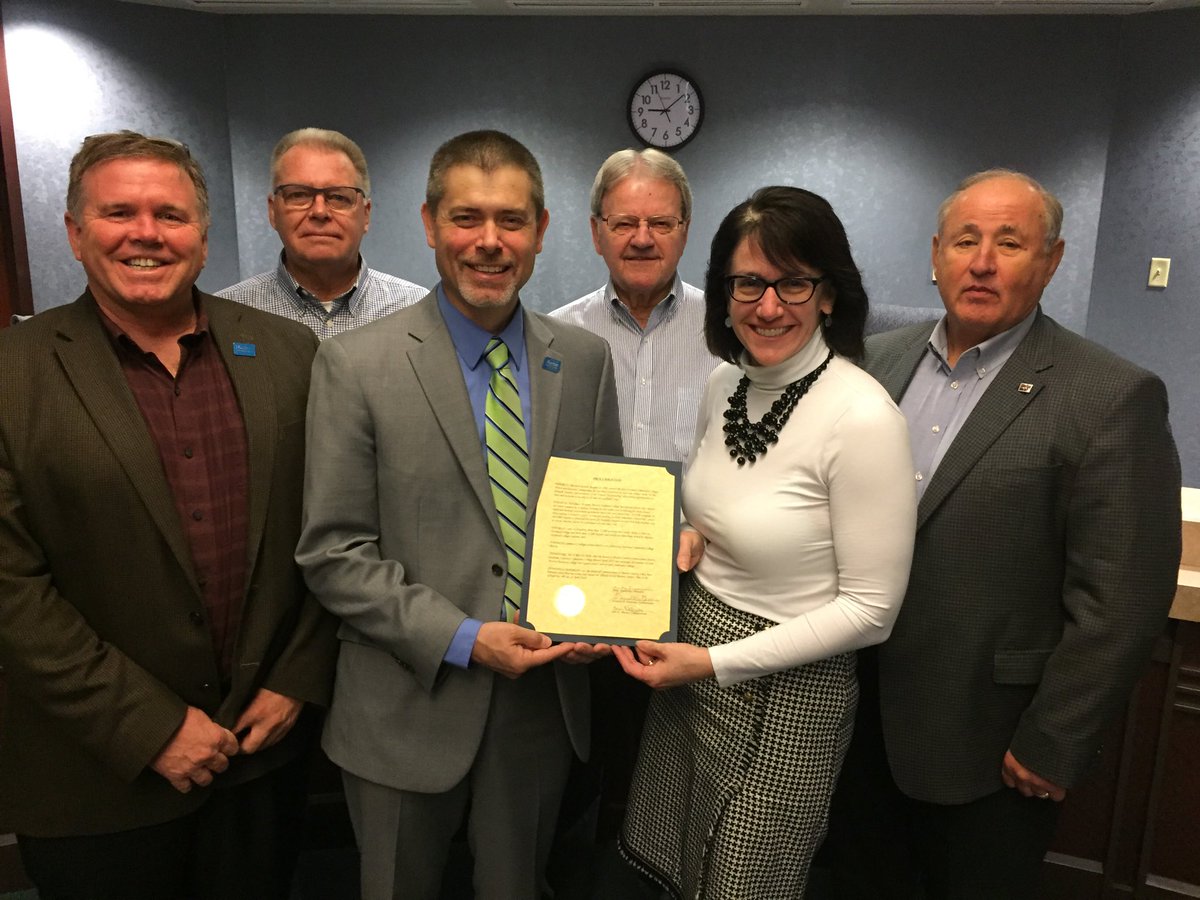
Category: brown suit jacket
[102,636]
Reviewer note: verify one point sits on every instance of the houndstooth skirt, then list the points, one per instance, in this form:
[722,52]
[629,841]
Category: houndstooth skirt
[730,797]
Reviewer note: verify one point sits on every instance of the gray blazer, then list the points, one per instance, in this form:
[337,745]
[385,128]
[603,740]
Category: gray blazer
[401,539]
[1047,548]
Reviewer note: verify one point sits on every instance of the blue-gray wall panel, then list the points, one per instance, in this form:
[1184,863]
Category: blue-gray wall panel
[1152,208]
[882,115]
[80,67]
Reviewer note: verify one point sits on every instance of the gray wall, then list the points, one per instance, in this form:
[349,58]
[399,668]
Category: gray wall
[1152,208]
[882,115]
[80,67]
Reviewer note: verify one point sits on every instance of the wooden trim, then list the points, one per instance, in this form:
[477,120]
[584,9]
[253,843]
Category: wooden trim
[16,290]
[1160,756]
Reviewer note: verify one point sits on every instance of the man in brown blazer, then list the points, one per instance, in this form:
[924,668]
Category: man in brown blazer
[159,645]
[1045,562]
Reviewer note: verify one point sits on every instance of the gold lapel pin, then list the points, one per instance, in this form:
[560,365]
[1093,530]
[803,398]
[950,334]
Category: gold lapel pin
[1024,387]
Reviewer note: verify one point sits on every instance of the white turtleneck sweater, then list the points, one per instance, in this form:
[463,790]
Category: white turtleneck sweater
[817,535]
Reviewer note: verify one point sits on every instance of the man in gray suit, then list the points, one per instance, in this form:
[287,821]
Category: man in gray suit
[403,540]
[1045,563]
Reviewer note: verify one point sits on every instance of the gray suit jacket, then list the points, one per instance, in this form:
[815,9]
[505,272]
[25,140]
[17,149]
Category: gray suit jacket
[102,632]
[1047,548]
[401,539]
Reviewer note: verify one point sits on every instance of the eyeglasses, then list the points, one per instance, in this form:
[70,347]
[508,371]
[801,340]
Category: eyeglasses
[626,225]
[792,290]
[302,196]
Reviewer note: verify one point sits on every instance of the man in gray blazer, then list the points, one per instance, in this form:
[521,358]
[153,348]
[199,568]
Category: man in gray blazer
[404,542]
[1045,563]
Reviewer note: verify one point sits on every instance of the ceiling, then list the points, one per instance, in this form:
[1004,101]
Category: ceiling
[679,7]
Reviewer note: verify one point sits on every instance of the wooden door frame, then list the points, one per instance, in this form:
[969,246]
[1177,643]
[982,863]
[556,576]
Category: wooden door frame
[16,291]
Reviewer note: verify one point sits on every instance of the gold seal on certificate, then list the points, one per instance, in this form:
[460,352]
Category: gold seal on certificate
[601,561]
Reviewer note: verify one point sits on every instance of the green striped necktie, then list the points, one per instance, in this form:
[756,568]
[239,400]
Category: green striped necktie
[508,468]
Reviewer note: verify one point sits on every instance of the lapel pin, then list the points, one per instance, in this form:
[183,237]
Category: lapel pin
[550,364]
[241,349]
[1024,387]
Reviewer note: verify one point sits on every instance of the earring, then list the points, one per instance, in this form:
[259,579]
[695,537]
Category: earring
[728,322]
[828,320]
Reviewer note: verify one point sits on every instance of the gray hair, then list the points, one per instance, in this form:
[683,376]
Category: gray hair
[1052,210]
[326,139]
[652,162]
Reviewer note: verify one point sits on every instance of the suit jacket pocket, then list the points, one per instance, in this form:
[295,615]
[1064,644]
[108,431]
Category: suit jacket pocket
[351,635]
[1019,666]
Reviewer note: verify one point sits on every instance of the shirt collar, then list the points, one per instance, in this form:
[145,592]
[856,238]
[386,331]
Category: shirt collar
[122,341]
[470,341]
[663,310]
[984,356]
[301,296]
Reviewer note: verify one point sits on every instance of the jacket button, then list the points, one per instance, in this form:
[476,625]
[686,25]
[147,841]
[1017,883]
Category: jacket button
[497,570]
[197,618]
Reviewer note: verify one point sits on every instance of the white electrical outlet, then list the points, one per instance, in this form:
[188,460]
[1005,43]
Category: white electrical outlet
[1160,268]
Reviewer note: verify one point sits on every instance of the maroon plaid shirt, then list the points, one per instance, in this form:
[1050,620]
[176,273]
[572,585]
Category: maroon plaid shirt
[194,420]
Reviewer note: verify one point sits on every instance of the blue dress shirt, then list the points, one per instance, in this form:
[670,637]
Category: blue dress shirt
[470,341]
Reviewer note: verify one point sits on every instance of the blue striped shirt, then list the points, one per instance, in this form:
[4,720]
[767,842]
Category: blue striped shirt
[939,398]
[660,370]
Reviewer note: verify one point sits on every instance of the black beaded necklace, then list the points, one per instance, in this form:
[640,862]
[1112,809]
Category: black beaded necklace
[748,440]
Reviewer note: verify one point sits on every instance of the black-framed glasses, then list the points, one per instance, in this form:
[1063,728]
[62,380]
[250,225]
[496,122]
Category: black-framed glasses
[791,289]
[301,196]
[624,225]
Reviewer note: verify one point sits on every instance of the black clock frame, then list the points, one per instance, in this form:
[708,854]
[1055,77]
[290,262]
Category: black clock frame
[633,92]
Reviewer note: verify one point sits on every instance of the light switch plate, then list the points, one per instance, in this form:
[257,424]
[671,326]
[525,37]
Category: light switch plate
[1160,268]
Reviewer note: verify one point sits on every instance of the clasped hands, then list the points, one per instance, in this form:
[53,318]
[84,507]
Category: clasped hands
[512,650]
[200,748]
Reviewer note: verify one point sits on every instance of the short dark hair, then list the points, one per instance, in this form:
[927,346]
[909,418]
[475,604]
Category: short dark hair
[791,226]
[101,148]
[487,150]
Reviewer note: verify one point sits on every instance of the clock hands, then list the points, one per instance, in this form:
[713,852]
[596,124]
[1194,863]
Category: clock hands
[666,110]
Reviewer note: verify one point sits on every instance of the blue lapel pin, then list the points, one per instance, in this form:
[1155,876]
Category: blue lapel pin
[550,364]
[241,349]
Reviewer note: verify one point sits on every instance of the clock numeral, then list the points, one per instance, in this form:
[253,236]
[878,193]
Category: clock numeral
[653,132]
[644,123]
[691,110]
[665,84]
[678,132]
[640,110]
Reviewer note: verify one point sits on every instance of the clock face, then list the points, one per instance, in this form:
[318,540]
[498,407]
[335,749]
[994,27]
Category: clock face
[665,110]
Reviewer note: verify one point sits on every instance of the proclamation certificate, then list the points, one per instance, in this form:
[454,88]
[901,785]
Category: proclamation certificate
[600,560]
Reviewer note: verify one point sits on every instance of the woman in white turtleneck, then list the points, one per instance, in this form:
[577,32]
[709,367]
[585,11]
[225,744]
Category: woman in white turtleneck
[800,512]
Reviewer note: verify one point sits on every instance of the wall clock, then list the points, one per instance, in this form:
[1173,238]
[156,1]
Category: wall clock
[665,110]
